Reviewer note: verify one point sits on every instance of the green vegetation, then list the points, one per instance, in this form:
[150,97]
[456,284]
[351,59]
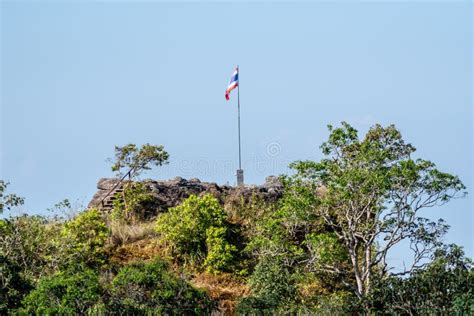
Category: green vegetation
[132,205]
[129,163]
[85,236]
[197,231]
[72,291]
[319,250]
[136,160]
[150,288]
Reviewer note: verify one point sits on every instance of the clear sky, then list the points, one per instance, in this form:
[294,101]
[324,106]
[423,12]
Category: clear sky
[78,78]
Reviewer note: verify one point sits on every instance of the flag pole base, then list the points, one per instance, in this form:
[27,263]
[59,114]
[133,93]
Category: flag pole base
[240,177]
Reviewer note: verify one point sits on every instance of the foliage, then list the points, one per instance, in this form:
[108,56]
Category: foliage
[445,286]
[197,228]
[86,236]
[370,194]
[132,203]
[336,303]
[325,249]
[150,289]
[30,242]
[273,279]
[7,201]
[287,244]
[65,293]
[319,250]
[273,286]
[137,160]
[63,209]
[12,285]
[220,253]
[463,304]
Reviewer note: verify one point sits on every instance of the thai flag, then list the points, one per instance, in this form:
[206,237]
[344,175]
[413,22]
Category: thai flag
[234,83]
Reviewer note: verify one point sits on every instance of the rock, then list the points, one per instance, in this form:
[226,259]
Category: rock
[172,192]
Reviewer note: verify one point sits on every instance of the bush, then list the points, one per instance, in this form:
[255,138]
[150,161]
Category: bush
[86,236]
[443,287]
[220,253]
[150,289]
[184,227]
[463,304]
[133,203]
[272,285]
[65,293]
[12,286]
[272,278]
[31,243]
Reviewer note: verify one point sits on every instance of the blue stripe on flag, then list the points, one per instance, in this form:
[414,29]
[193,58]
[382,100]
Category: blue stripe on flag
[234,78]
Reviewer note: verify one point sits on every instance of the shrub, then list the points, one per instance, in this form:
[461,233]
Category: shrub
[272,285]
[443,287]
[272,278]
[151,289]
[30,242]
[65,293]
[132,204]
[185,226]
[12,286]
[85,236]
[463,304]
[220,253]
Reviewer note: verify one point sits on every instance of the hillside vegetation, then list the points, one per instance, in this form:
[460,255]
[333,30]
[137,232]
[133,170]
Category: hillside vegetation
[321,249]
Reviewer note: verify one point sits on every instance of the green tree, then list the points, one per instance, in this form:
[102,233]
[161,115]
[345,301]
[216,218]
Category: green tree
[187,226]
[136,160]
[131,161]
[12,285]
[220,253]
[70,292]
[445,286]
[369,193]
[151,289]
[133,203]
[85,237]
[30,242]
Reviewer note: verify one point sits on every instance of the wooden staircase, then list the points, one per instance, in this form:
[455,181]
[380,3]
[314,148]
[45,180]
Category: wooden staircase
[108,201]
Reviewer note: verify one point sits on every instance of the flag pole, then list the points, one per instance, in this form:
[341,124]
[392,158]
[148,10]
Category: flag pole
[240,172]
[238,109]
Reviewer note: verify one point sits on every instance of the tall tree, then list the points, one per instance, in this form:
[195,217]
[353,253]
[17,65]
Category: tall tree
[370,192]
[136,160]
[131,161]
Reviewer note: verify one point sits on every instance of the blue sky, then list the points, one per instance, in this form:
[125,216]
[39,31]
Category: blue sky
[78,78]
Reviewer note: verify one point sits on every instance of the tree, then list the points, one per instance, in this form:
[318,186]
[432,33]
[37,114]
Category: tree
[7,201]
[151,289]
[85,237]
[196,229]
[12,285]
[369,193]
[131,161]
[134,204]
[445,286]
[31,243]
[137,160]
[71,292]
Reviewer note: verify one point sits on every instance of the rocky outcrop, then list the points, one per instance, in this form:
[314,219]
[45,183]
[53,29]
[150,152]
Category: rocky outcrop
[172,192]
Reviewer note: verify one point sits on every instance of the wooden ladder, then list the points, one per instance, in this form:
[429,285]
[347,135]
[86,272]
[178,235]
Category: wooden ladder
[108,202]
